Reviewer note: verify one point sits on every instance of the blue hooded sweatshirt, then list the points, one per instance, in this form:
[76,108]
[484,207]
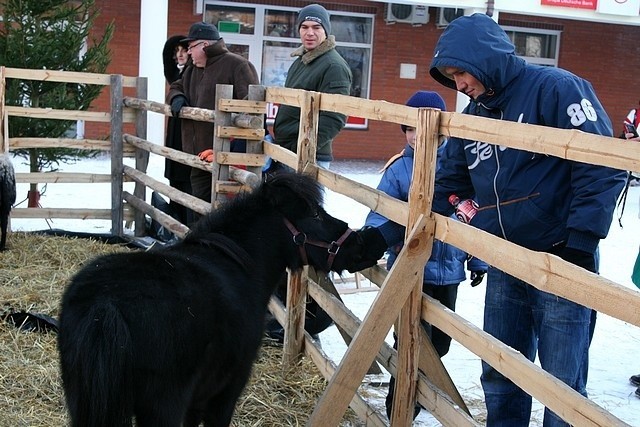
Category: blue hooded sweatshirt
[534,200]
[446,263]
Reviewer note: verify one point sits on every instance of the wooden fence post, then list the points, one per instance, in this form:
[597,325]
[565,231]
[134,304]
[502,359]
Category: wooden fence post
[142,156]
[298,281]
[117,107]
[219,172]
[256,93]
[308,130]
[420,196]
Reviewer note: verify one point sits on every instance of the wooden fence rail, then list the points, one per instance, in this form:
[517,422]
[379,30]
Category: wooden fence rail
[67,77]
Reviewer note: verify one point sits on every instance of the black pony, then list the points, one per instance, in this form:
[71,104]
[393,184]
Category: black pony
[170,336]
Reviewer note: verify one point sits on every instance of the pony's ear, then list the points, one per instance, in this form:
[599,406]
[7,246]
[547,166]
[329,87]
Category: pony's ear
[293,194]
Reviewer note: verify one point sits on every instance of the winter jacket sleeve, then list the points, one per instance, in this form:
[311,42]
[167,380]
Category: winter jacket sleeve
[475,264]
[392,184]
[392,232]
[176,88]
[572,104]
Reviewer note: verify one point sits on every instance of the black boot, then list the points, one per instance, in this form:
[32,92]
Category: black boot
[388,402]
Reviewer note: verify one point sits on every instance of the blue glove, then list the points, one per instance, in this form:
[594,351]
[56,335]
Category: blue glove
[477,277]
[177,103]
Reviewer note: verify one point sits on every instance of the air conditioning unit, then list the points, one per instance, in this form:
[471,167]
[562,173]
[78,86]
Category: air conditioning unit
[413,14]
[446,15]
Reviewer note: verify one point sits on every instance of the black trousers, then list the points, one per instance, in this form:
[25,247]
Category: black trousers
[447,295]
[179,212]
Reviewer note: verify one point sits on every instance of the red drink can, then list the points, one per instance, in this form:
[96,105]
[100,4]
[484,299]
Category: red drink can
[465,209]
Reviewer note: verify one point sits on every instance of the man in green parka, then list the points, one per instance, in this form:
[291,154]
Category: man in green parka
[319,68]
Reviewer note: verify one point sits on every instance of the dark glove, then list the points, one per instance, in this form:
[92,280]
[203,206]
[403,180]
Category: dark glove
[373,248]
[477,277]
[177,103]
[580,258]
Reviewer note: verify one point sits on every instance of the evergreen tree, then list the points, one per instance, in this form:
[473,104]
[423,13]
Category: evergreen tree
[51,35]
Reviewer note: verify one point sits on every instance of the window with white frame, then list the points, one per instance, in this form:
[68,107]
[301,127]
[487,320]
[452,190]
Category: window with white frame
[536,46]
[266,35]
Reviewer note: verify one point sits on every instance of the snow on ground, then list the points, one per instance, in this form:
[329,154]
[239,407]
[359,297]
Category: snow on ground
[613,351]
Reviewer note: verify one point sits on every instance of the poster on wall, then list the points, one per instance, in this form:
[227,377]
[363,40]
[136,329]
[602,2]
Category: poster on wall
[619,7]
[577,4]
[275,65]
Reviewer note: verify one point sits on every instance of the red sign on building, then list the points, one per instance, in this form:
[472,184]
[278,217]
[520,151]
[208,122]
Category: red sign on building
[578,4]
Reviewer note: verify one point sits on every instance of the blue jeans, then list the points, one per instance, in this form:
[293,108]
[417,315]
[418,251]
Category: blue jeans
[530,321]
[584,371]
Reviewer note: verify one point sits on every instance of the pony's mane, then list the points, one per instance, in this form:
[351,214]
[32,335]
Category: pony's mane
[290,194]
[229,214]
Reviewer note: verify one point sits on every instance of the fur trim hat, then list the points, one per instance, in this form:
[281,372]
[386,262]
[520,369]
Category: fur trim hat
[425,99]
[316,13]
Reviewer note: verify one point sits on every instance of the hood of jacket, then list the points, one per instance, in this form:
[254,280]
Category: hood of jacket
[171,70]
[477,45]
[307,56]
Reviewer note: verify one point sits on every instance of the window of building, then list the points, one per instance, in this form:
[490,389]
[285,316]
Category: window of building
[266,35]
[537,46]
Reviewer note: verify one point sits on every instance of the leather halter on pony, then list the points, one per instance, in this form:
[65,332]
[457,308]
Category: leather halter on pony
[300,239]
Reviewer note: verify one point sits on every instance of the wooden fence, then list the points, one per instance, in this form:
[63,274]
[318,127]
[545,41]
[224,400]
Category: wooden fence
[117,116]
[400,298]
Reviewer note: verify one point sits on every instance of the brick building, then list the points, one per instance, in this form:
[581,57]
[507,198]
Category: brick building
[389,47]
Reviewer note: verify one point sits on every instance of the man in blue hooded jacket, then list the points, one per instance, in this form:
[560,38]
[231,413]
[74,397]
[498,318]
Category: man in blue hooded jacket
[541,202]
